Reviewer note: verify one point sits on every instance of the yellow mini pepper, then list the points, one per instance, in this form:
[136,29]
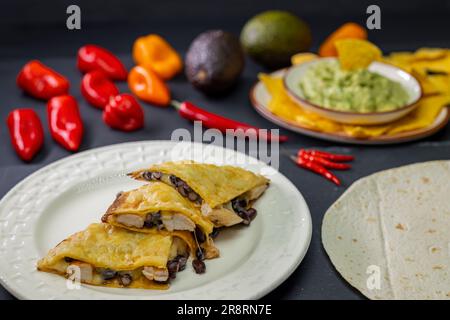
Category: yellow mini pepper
[155,53]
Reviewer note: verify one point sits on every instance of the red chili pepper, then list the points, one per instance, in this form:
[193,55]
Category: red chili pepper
[317,168]
[41,82]
[328,155]
[64,120]
[124,113]
[92,57]
[25,129]
[97,88]
[210,120]
[324,162]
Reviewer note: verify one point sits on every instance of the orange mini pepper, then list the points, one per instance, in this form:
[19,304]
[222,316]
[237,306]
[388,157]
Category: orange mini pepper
[349,30]
[147,86]
[152,51]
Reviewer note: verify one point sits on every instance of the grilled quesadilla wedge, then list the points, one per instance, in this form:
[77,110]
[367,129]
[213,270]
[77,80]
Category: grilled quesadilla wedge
[224,194]
[105,255]
[157,206]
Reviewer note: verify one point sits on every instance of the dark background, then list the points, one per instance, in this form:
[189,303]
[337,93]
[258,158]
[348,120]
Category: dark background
[37,30]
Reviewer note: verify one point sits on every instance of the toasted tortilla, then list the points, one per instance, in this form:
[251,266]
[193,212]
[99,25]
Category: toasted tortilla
[154,197]
[388,235]
[104,246]
[216,185]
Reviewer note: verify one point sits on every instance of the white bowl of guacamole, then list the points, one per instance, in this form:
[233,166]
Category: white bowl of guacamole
[379,94]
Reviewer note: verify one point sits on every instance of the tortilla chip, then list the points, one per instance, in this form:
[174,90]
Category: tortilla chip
[356,54]
[300,58]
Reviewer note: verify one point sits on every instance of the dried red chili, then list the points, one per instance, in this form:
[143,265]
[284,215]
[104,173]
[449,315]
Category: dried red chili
[210,120]
[317,168]
[324,162]
[328,155]
[27,135]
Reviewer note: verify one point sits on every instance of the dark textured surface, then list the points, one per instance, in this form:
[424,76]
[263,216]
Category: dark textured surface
[25,36]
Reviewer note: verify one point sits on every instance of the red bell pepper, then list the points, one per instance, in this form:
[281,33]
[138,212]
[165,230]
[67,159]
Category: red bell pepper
[27,135]
[41,82]
[97,88]
[66,126]
[92,57]
[124,113]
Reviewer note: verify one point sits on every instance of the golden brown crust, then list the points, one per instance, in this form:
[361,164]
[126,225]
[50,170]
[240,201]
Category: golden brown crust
[116,204]
[105,246]
[155,197]
[215,184]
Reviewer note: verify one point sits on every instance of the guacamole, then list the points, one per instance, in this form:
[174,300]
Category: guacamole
[326,85]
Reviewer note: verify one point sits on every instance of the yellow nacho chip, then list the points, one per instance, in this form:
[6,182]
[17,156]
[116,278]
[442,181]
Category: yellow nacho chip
[303,57]
[281,105]
[356,54]
[430,54]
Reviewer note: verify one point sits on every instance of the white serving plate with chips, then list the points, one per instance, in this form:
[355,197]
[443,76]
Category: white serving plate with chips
[67,195]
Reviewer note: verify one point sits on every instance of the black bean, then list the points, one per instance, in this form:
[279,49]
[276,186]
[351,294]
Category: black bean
[242,213]
[192,196]
[187,188]
[181,262]
[68,259]
[156,217]
[245,217]
[148,223]
[199,254]
[156,175]
[173,266]
[199,266]
[238,204]
[108,274]
[173,180]
[182,191]
[125,279]
[200,235]
[215,232]
[251,213]
[147,175]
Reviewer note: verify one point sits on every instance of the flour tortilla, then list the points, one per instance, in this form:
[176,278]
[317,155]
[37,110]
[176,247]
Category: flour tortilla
[396,223]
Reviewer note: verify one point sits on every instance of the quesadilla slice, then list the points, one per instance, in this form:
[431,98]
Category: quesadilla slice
[224,194]
[105,255]
[157,206]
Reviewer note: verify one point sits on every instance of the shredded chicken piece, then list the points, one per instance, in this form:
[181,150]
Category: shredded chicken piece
[86,271]
[256,192]
[177,222]
[131,220]
[157,274]
[220,216]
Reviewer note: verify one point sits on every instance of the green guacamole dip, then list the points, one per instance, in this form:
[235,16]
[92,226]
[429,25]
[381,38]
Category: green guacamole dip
[326,85]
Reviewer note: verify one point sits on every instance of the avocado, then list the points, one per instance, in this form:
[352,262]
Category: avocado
[214,61]
[272,37]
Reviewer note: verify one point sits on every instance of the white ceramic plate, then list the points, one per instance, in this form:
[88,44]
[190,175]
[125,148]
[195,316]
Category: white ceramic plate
[260,98]
[295,73]
[66,196]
